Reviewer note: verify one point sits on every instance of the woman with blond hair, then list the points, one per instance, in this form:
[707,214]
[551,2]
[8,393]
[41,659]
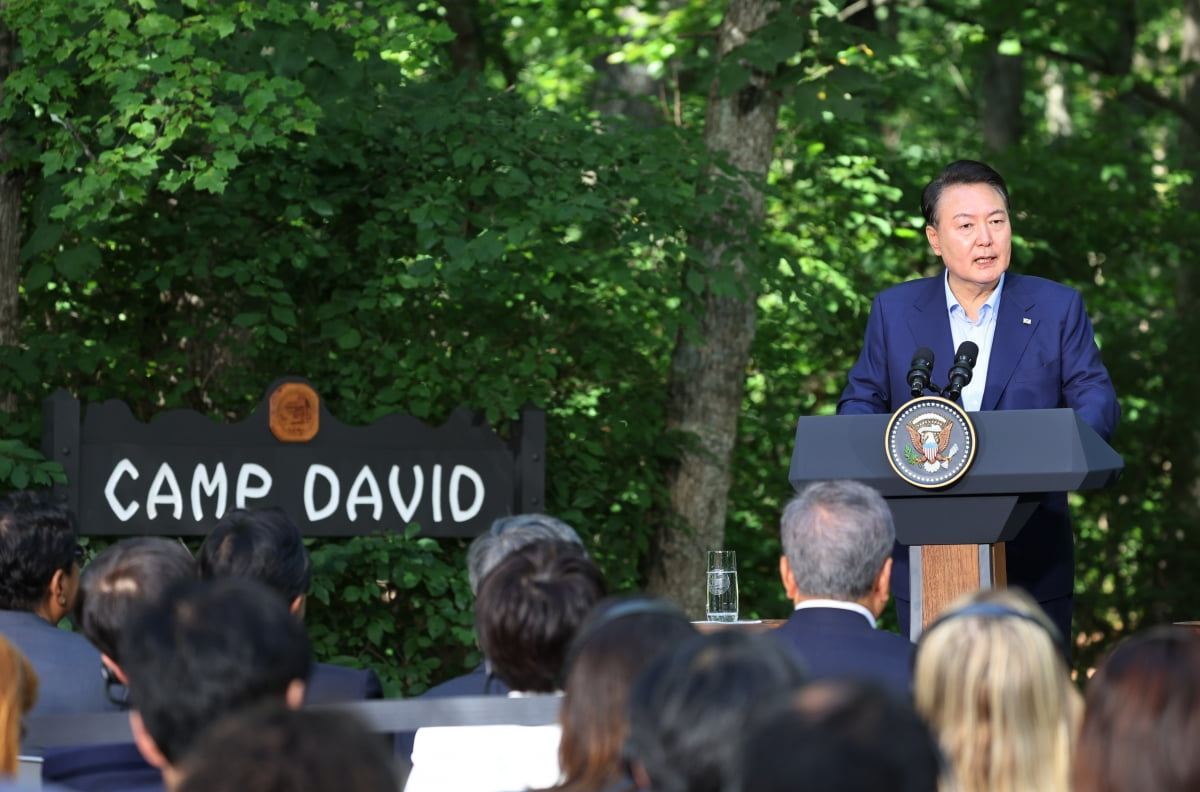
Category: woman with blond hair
[18,693]
[991,681]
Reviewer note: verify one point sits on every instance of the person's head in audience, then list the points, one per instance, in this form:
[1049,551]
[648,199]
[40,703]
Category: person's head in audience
[39,556]
[276,749]
[119,580]
[689,709]
[529,608]
[262,544]
[992,682]
[837,544]
[204,650]
[511,533]
[840,736]
[619,639]
[18,694]
[1141,721]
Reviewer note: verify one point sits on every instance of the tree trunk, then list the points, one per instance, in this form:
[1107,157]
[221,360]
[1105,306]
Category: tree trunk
[1185,458]
[708,367]
[1003,95]
[10,225]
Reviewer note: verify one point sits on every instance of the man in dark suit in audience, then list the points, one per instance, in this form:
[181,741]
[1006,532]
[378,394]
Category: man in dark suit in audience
[266,545]
[39,580]
[206,650]
[506,535]
[836,567]
[121,579]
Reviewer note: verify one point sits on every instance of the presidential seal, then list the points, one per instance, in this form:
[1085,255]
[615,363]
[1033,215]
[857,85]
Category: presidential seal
[930,442]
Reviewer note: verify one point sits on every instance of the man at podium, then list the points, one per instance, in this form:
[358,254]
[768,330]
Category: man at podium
[1025,343]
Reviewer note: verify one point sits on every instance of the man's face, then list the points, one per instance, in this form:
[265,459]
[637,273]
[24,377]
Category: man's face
[972,235]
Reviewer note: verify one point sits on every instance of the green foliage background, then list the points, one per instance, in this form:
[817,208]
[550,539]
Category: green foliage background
[415,218]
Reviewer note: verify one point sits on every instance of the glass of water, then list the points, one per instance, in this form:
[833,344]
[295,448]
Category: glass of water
[722,586]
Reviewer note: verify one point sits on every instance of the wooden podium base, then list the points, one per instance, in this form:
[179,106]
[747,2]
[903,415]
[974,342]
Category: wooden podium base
[955,570]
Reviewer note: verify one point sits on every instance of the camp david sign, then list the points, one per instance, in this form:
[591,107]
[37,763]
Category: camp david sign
[180,472]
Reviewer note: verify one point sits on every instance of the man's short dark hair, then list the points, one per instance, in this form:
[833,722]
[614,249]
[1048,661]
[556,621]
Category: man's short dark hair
[960,172]
[276,748]
[120,579]
[690,708]
[263,544]
[529,608]
[840,735]
[206,649]
[37,538]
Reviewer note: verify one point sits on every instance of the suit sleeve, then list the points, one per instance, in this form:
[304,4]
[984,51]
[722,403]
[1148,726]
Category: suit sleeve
[868,390]
[1086,385]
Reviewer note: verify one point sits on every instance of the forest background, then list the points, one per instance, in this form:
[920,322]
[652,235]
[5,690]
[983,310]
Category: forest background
[661,222]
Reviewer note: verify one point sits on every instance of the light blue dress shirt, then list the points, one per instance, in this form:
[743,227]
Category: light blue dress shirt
[981,332]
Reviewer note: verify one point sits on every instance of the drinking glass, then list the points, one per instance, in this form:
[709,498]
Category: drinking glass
[722,586]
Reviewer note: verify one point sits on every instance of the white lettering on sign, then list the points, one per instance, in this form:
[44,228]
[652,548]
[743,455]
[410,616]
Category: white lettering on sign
[123,512]
[165,477]
[335,492]
[165,498]
[356,498]
[218,484]
[245,490]
[406,508]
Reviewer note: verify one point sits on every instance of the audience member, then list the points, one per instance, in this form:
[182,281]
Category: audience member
[121,579]
[488,549]
[619,639]
[205,650]
[1141,721]
[836,565]
[277,749]
[266,545]
[529,609]
[690,708]
[39,579]
[841,736]
[992,682]
[18,693]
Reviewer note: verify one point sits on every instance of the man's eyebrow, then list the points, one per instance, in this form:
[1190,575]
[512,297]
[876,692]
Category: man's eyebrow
[969,215]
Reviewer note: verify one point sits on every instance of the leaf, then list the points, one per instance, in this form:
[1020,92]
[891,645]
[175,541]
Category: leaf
[77,263]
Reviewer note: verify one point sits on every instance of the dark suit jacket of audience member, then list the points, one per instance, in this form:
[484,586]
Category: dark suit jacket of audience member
[120,767]
[473,683]
[68,667]
[115,767]
[834,642]
[329,684]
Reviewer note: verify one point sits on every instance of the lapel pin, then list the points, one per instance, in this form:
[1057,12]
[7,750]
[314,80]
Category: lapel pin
[1026,320]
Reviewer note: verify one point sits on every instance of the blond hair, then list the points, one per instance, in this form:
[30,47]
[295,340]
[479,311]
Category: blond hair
[18,693]
[991,681]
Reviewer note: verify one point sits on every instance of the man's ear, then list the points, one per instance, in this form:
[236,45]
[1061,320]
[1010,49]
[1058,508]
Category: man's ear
[932,235]
[640,777]
[881,590]
[146,745]
[111,665]
[294,695]
[788,580]
[298,605]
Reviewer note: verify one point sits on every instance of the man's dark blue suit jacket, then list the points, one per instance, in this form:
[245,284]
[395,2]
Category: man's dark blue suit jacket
[837,643]
[1044,355]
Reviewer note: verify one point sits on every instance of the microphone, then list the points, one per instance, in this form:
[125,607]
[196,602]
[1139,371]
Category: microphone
[920,371]
[960,372]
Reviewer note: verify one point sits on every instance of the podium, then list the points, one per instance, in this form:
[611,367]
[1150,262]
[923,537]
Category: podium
[955,533]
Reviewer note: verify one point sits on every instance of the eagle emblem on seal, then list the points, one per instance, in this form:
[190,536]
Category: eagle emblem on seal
[930,446]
